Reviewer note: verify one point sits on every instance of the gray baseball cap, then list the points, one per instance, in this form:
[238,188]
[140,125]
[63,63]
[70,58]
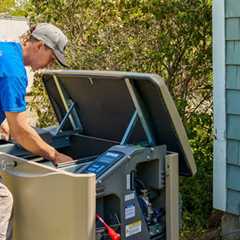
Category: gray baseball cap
[53,38]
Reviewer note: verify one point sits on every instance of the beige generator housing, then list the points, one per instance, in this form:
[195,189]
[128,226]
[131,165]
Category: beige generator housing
[129,148]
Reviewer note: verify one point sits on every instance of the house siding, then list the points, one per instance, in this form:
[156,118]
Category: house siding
[233,77]
[232,39]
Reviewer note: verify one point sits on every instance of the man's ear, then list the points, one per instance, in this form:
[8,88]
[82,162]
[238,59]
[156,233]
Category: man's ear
[39,44]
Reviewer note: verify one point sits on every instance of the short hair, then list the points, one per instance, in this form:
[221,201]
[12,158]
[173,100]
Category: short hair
[27,36]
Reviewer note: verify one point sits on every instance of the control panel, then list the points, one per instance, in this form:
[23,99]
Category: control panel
[103,162]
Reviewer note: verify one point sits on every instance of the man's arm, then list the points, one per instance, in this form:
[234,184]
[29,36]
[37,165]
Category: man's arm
[29,139]
[4,130]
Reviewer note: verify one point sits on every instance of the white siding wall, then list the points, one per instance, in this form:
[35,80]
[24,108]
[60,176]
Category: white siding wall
[11,28]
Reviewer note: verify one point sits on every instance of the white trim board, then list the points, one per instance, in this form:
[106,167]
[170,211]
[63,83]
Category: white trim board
[219,99]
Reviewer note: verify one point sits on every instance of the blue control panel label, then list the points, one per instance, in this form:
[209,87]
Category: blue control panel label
[103,162]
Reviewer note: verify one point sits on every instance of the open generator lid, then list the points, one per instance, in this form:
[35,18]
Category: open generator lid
[120,106]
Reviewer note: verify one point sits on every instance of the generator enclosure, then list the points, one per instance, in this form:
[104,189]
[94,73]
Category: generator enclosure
[129,148]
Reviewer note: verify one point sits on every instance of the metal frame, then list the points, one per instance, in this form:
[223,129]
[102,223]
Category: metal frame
[142,114]
[130,128]
[61,125]
[69,111]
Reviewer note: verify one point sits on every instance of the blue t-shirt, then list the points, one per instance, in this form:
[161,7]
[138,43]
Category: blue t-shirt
[13,79]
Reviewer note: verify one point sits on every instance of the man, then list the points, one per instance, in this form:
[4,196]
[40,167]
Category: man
[40,48]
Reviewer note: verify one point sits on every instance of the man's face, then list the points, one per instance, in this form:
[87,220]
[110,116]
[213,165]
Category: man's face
[40,55]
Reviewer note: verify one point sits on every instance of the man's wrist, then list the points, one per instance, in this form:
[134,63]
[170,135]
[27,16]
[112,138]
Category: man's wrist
[52,154]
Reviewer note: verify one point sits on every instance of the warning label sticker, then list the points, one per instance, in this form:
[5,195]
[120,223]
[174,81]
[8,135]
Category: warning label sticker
[130,211]
[133,228]
[129,197]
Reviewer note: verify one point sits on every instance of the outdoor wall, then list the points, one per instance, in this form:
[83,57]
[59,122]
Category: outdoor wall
[10,30]
[232,25]
[12,27]
[227,91]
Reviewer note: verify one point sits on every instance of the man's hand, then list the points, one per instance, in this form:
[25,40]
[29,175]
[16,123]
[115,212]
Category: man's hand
[61,158]
[29,139]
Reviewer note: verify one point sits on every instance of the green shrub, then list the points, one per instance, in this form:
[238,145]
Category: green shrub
[197,191]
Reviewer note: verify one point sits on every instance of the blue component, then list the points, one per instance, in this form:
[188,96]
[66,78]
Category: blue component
[103,162]
[13,79]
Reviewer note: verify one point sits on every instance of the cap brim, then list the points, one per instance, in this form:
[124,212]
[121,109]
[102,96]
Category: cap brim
[60,58]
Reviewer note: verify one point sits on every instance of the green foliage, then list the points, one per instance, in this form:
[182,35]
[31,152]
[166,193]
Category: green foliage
[11,8]
[197,191]
[6,5]
[40,104]
[169,37]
